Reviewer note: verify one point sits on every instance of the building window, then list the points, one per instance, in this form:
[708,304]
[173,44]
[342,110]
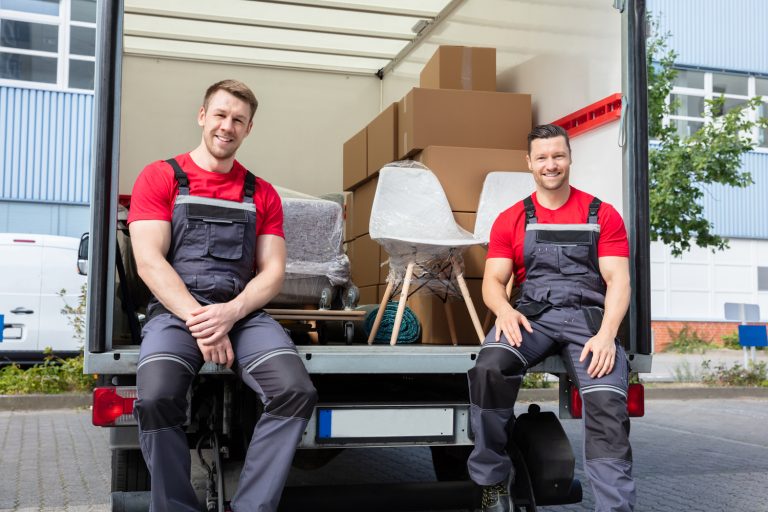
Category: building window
[48,43]
[692,87]
[762,279]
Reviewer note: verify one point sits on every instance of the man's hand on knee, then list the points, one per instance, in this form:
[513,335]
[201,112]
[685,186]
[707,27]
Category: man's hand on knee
[603,350]
[509,323]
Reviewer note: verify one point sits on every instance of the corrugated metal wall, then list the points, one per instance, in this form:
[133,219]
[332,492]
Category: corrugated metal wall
[741,212]
[45,145]
[717,34]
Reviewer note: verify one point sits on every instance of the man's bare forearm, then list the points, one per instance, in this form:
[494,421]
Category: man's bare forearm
[495,296]
[616,304]
[257,293]
[166,285]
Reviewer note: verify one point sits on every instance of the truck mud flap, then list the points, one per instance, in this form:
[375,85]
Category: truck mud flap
[547,459]
[129,501]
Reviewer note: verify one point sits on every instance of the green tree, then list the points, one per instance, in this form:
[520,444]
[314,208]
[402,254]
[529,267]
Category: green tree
[680,168]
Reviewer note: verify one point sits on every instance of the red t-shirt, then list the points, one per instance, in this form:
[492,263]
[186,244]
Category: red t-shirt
[155,191]
[508,232]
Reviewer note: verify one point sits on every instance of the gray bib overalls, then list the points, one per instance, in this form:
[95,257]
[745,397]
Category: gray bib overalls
[212,249]
[563,298]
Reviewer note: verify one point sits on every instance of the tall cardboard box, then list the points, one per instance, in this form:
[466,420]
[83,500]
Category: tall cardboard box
[362,200]
[460,67]
[382,139]
[475,119]
[365,260]
[461,171]
[355,160]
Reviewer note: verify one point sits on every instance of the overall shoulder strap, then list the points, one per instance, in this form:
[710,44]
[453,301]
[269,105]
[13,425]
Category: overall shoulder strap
[530,211]
[594,206]
[180,176]
[250,187]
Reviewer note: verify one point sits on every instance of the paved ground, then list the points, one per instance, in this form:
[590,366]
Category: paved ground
[690,455]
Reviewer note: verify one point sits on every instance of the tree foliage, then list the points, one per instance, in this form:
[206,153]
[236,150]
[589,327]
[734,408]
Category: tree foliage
[681,168]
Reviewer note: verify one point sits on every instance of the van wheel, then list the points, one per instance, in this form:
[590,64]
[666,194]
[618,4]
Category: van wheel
[129,472]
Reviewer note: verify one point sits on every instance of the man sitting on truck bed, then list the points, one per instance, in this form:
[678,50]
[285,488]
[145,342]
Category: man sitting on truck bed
[569,253]
[208,240]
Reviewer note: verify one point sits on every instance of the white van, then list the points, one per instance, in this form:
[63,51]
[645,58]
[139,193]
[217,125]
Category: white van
[34,269]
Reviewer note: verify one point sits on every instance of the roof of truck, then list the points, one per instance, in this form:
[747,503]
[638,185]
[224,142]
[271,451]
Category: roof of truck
[364,37]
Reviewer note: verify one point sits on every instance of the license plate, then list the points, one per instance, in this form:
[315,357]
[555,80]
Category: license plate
[369,424]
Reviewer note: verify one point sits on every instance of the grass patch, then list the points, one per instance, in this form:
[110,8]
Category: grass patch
[685,373]
[54,375]
[536,381]
[688,341]
[753,375]
[731,340]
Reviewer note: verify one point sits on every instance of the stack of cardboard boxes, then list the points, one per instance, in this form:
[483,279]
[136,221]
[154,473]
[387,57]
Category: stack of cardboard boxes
[457,125]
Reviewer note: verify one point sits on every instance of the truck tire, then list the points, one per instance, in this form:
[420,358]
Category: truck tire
[129,472]
[450,462]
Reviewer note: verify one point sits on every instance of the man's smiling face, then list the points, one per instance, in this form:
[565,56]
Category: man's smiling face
[550,162]
[226,121]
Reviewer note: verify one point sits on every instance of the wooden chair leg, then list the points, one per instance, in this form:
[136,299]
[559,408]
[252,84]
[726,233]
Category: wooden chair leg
[468,300]
[451,323]
[380,313]
[401,304]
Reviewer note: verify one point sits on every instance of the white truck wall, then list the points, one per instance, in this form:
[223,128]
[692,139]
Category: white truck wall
[299,129]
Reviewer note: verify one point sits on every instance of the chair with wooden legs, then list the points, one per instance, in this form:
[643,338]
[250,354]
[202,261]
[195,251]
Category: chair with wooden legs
[413,222]
[500,191]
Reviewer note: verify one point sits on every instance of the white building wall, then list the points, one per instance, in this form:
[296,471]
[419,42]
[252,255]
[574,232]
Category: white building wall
[696,285]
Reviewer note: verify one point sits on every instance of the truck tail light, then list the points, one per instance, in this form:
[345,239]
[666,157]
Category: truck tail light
[113,406]
[635,401]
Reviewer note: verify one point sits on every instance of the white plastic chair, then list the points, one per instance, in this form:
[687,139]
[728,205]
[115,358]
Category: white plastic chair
[412,220]
[501,189]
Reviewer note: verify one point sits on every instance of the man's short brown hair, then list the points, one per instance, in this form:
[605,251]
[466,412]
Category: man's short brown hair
[548,131]
[237,89]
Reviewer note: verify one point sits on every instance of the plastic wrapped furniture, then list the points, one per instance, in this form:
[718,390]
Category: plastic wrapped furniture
[413,222]
[500,191]
[316,268]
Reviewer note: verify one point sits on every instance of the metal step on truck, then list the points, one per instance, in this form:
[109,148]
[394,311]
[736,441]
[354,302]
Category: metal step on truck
[321,70]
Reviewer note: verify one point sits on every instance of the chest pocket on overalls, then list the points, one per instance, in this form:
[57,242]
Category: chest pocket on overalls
[572,249]
[221,231]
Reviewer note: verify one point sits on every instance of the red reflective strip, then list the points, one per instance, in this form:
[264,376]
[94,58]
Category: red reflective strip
[576,406]
[24,241]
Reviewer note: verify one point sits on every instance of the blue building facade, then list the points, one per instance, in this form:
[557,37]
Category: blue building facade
[47,60]
[722,49]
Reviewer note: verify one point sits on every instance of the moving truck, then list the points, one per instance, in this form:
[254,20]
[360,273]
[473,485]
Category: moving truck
[320,79]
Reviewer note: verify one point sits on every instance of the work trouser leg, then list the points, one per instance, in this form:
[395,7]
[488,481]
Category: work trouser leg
[168,361]
[607,452]
[493,386]
[269,364]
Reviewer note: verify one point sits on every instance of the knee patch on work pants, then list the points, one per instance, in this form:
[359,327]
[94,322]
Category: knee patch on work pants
[496,377]
[284,381]
[606,424]
[162,394]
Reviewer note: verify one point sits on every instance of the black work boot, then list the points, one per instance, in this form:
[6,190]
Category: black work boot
[496,498]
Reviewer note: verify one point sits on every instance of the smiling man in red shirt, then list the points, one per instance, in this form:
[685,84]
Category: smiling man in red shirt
[568,252]
[208,240]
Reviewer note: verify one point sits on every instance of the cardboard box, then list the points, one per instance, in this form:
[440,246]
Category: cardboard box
[474,257]
[364,257]
[475,119]
[460,67]
[434,323]
[369,295]
[382,139]
[362,201]
[461,171]
[355,162]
